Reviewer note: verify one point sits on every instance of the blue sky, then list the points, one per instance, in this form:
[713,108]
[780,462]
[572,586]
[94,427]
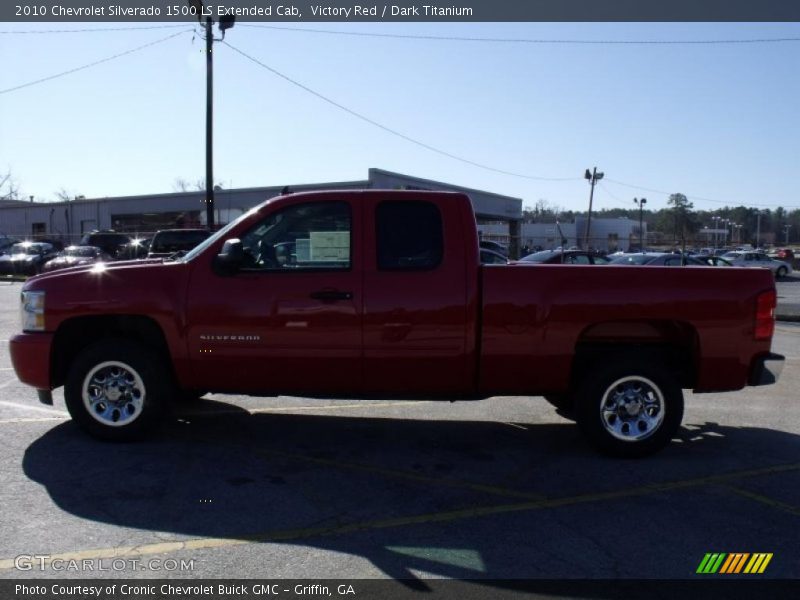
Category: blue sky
[718,122]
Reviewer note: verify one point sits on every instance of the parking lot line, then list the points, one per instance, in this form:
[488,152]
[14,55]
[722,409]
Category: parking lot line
[33,420]
[440,517]
[31,407]
[793,510]
[408,475]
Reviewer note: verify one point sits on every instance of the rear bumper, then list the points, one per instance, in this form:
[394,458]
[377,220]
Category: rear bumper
[30,355]
[766,369]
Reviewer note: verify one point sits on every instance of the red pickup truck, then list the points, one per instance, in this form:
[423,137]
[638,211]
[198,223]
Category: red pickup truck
[381,293]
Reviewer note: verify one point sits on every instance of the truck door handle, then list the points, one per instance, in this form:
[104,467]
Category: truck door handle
[331,295]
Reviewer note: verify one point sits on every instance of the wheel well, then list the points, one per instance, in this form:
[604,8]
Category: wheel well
[673,344]
[75,334]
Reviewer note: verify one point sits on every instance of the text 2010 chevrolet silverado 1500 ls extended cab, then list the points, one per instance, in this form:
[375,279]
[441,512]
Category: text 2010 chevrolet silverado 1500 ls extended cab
[365,293]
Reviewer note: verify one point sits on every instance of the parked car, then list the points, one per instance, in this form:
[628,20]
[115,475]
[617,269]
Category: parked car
[657,259]
[784,254]
[758,259]
[494,247]
[169,241]
[72,256]
[108,240]
[370,308]
[489,257]
[56,243]
[566,257]
[136,248]
[6,243]
[714,261]
[26,258]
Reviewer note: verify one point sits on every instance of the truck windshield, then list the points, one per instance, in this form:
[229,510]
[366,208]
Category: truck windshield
[222,232]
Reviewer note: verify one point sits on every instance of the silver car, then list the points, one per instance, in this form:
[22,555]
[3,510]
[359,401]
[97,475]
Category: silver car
[758,259]
[655,259]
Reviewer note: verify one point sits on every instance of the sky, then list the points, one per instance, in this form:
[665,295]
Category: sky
[717,122]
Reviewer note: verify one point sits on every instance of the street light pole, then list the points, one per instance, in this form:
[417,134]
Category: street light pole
[593,177]
[641,204]
[758,230]
[209,126]
[715,219]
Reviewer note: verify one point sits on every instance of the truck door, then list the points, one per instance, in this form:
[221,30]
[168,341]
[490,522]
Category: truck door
[415,313]
[290,320]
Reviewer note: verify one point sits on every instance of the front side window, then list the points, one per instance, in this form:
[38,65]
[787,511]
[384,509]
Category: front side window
[314,235]
[410,236]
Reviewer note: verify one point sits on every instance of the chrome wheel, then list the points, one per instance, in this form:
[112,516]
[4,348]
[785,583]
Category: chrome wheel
[113,393]
[632,408]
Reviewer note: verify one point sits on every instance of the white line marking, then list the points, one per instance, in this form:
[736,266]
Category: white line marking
[36,420]
[29,407]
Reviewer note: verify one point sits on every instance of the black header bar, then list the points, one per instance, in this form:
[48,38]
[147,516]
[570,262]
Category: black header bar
[304,11]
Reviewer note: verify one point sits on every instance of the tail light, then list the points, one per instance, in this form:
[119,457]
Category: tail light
[765,315]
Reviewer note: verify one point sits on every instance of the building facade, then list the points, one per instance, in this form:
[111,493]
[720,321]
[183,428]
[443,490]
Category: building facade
[606,235]
[144,214]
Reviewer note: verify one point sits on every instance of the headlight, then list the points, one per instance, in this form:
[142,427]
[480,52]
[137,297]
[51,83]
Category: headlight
[32,311]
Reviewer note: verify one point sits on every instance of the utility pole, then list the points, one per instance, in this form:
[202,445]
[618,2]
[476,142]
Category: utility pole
[786,234]
[593,177]
[641,204]
[225,22]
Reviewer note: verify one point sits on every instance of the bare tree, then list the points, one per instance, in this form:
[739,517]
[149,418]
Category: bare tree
[181,185]
[9,189]
[64,195]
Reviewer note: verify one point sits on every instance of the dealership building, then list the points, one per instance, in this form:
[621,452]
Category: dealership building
[68,221]
[608,235]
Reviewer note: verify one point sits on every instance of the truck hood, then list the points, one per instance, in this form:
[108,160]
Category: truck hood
[97,268]
[127,287]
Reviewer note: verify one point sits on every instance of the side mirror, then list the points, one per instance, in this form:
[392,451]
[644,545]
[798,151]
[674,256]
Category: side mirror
[231,258]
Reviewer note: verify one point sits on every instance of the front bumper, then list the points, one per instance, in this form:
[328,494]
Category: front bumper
[766,369]
[31,356]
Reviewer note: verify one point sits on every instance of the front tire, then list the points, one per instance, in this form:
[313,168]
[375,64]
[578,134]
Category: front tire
[781,272]
[116,390]
[631,409]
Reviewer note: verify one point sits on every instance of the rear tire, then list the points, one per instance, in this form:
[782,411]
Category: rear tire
[781,272]
[116,390]
[631,409]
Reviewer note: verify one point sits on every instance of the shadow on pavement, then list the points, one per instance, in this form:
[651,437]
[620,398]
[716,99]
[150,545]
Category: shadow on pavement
[457,499]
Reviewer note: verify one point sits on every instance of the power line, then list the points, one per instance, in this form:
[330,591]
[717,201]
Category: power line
[523,40]
[692,197]
[92,64]
[92,30]
[389,129]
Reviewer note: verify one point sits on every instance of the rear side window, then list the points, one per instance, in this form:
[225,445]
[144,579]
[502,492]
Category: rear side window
[409,236]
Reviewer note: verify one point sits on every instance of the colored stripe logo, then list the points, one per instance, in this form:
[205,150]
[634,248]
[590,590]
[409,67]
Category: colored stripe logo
[734,563]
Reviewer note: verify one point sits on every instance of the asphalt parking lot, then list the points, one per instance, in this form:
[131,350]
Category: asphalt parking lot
[297,488]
